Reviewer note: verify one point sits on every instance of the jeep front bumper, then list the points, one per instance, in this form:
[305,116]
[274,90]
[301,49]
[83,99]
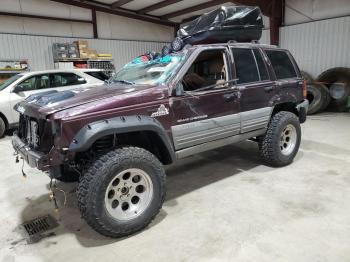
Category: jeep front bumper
[33,158]
[302,108]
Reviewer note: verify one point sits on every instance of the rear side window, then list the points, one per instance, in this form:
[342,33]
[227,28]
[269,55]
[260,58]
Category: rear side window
[99,75]
[261,65]
[66,79]
[281,64]
[246,70]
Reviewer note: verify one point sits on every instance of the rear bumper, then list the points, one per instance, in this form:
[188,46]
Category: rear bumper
[302,108]
[33,158]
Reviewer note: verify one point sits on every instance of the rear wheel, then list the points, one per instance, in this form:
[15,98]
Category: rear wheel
[122,191]
[2,127]
[281,142]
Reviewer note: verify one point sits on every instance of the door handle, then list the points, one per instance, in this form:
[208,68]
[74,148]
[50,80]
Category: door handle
[231,96]
[268,88]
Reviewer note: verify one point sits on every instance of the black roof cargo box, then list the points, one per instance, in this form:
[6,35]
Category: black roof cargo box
[238,23]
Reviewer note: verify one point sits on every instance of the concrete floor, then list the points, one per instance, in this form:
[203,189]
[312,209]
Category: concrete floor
[223,205]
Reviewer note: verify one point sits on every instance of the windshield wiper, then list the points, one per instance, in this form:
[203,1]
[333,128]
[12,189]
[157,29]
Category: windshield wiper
[123,81]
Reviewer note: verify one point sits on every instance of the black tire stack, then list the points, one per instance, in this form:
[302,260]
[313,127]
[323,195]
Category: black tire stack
[317,94]
[337,81]
[330,91]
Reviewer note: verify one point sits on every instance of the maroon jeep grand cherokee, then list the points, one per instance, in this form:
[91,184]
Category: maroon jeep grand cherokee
[116,138]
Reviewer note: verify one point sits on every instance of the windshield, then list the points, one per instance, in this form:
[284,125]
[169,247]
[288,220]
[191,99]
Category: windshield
[10,81]
[150,72]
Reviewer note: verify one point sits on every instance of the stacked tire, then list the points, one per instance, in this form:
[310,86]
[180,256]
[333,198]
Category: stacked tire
[317,94]
[337,81]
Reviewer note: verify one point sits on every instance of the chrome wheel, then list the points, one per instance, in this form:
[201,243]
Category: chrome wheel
[129,194]
[288,140]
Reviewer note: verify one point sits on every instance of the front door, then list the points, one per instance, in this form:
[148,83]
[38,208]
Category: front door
[208,107]
[257,90]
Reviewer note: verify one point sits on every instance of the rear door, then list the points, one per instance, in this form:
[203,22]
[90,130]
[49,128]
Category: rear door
[256,88]
[287,73]
[207,108]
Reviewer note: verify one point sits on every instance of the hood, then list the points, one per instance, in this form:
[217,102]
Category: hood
[46,103]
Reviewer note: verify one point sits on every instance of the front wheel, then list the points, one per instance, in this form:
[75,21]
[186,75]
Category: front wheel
[280,144]
[122,191]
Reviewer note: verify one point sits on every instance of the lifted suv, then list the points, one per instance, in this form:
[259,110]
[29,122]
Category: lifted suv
[115,139]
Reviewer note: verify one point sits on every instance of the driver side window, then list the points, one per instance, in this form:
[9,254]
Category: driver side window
[34,83]
[209,69]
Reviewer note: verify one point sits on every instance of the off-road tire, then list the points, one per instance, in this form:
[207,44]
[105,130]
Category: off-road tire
[94,183]
[309,79]
[333,75]
[269,144]
[315,98]
[2,127]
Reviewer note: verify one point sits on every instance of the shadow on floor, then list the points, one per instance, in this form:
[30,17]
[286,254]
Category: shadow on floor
[185,176]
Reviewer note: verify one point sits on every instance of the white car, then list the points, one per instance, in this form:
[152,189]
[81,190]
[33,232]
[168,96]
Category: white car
[20,86]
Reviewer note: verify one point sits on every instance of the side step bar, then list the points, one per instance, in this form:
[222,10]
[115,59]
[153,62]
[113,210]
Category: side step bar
[217,143]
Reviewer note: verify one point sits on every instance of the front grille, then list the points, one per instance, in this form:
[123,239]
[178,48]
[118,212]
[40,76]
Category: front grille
[32,135]
[35,133]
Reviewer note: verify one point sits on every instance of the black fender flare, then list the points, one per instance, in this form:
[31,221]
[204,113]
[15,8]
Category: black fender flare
[91,132]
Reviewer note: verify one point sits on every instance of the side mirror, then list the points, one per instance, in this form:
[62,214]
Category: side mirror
[18,89]
[179,91]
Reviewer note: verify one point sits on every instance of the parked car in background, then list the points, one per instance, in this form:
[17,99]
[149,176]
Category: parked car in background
[20,86]
[97,73]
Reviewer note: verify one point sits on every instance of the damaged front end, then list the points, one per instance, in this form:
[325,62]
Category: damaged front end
[34,139]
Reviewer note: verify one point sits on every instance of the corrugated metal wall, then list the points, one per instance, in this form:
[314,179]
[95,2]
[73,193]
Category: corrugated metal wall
[38,49]
[319,45]
[265,37]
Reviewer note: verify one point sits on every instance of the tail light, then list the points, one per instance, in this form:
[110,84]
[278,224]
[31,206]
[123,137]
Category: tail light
[304,88]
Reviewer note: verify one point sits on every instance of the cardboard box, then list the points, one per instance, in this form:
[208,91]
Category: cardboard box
[84,53]
[82,44]
[92,54]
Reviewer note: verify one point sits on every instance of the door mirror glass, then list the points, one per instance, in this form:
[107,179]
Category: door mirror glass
[179,91]
[18,89]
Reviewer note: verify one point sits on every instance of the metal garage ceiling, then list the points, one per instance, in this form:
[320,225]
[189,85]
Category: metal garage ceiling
[167,12]
[174,12]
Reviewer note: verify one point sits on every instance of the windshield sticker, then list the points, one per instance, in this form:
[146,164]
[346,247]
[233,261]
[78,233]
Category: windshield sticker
[162,111]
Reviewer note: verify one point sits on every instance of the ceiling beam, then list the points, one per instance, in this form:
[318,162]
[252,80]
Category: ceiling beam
[119,3]
[46,17]
[157,6]
[117,11]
